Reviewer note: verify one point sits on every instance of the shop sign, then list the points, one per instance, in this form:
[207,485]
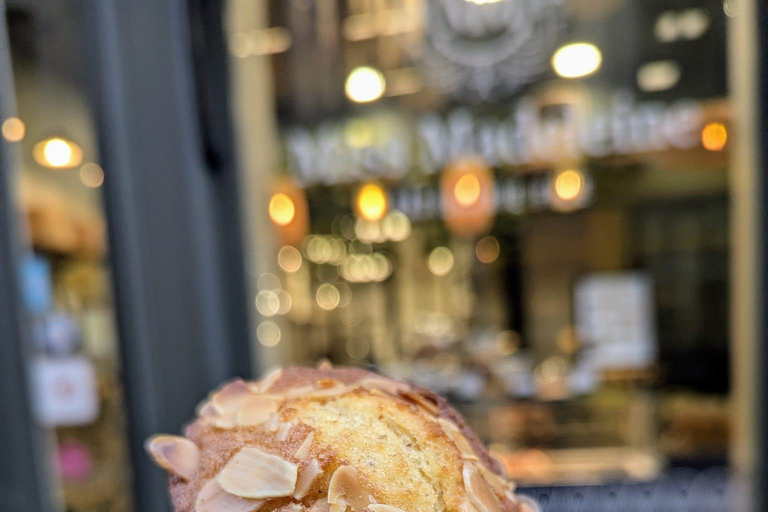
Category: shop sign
[528,135]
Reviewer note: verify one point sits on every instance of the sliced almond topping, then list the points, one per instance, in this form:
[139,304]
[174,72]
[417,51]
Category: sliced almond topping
[206,409]
[422,401]
[377,507]
[292,507]
[390,386]
[328,383]
[299,392]
[213,498]
[176,454]
[499,484]
[284,431]
[255,474]
[267,382]
[257,409]
[320,506]
[339,506]
[302,452]
[478,491]
[226,421]
[458,438]
[306,478]
[324,365]
[345,486]
[328,392]
[228,399]
[272,424]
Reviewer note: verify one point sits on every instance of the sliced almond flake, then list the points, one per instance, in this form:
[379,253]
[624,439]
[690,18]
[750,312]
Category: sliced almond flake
[324,365]
[226,421]
[292,507]
[257,409]
[339,506]
[206,409]
[499,484]
[377,507]
[213,498]
[478,491]
[320,506]
[390,386]
[299,392]
[328,383]
[272,424]
[307,477]
[345,486]
[422,401]
[461,442]
[228,399]
[267,382]
[284,431]
[302,452]
[328,392]
[253,473]
[176,454]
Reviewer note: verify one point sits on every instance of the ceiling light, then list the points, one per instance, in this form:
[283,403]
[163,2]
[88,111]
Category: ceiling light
[658,76]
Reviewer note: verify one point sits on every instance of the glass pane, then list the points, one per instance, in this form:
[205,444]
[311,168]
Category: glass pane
[74,358]
[520,204]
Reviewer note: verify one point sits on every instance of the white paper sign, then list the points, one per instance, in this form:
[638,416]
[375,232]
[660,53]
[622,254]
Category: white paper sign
[64,391]
[614,318]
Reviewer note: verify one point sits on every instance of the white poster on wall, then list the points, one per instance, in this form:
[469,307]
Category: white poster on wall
[615,320]
[64,391]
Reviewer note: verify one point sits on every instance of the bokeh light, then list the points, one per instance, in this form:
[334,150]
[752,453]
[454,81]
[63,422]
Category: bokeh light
[371,202]
[92,175]
[289,258]
[282,210]
[440,261]
[358,347]
[268,334]
[365,84]
[396,226]
[13,129]
[467,190]
[487,249]
[57,153]
[328,297]
[714,136]
[569,185]
[577,60]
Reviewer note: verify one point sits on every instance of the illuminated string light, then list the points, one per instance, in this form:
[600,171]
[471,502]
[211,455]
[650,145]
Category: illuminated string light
[371,202]
[57,153]
[13,129]
[282,209]
[714,136]
[467,190]
[365,84]
[577,60]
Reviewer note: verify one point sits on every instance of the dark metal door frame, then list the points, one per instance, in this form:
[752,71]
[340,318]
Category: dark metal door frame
[173,213]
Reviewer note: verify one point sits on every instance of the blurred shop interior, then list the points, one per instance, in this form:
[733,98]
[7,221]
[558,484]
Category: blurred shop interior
[522,204]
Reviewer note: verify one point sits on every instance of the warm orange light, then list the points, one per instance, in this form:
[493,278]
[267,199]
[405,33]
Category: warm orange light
[714,136]
[371,202]
[282,210]
[569,185]
[13,129]
[57,153]
[467,190]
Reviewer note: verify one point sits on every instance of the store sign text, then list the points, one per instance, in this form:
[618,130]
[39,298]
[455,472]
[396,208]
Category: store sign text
[527,136]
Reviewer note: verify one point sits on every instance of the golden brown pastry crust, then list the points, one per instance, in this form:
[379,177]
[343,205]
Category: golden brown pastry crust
[393,435]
